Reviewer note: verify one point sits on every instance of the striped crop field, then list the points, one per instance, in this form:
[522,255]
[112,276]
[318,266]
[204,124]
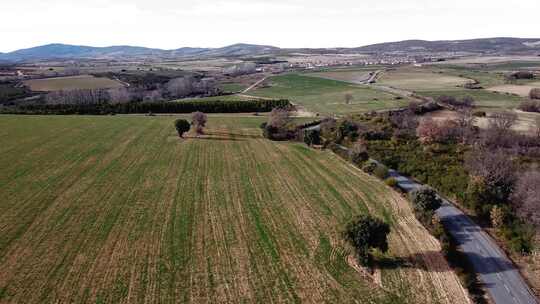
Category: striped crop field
[119,210]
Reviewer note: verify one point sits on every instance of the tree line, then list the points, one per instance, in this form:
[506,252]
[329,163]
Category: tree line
[104,107]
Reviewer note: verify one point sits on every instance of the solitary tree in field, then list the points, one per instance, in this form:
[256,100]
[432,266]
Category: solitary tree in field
[182,126]
[198,120]
[348,98]
[365,233]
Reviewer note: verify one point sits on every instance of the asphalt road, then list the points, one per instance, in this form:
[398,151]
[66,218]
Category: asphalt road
[501,279]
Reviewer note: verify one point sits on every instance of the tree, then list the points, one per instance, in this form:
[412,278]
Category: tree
[537,127]
[496,169]
[348,98]
[358,153]
[465,125]
[366,232]
[499,131]
[198,120]
[425,200]
[182,126]
[429,131]
[312,137]
[503,121]
[120,95]
[534,93]
[280,118]
[405,123]
[526,197]
[497,217]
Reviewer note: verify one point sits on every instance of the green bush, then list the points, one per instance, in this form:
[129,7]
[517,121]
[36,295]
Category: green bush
[366,232]
[381,171]
[181,126]
[392,182]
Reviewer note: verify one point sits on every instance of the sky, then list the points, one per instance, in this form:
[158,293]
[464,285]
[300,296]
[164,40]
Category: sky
[171,24]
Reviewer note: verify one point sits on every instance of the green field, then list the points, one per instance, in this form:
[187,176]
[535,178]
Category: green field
[326,96]
[72,83]
[420,79]
[119,210]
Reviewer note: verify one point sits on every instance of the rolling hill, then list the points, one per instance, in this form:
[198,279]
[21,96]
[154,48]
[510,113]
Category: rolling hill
[65,51]
[488,45]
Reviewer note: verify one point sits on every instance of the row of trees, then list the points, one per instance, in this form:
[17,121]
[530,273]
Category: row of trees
[101,108]
[182,87]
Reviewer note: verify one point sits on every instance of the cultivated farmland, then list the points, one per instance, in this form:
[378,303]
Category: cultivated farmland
[419,79]
[72,83]
[326,95]
[132,214]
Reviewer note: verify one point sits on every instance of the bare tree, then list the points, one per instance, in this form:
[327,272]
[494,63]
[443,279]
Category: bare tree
[534,94]
[348,98]
[526,197]
[180,87]
[495,167]
[120,95]
[537,127]
[465,122]
[499,132]
[430,131]
[279,118]
[198,120]
[405,122]
[503,121]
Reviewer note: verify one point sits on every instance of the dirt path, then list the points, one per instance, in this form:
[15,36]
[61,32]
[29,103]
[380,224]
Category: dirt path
[254,85]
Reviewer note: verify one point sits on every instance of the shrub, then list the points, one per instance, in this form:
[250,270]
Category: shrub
[381,171]
[534,93]
[312,137]
[182,126]
[392,182]
[530,105]
[369,166]
[365,233]
[479,114]
[358,153]
[425,201]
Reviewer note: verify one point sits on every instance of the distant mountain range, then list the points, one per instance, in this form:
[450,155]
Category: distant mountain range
[64,51]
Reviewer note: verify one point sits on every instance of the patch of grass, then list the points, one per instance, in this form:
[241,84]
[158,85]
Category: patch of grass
[327,96]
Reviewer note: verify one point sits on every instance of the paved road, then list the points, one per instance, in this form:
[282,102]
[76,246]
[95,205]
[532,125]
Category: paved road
[501,279]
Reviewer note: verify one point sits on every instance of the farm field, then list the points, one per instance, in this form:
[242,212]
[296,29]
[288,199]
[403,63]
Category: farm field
[326,96]
[72,83]
[132,214]
[418,79]
[349,75]
[521,90]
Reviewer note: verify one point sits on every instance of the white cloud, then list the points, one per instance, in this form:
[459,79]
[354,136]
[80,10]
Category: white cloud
[286,23]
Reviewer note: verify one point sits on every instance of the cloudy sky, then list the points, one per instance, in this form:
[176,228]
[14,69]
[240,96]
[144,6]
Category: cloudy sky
[286,23]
